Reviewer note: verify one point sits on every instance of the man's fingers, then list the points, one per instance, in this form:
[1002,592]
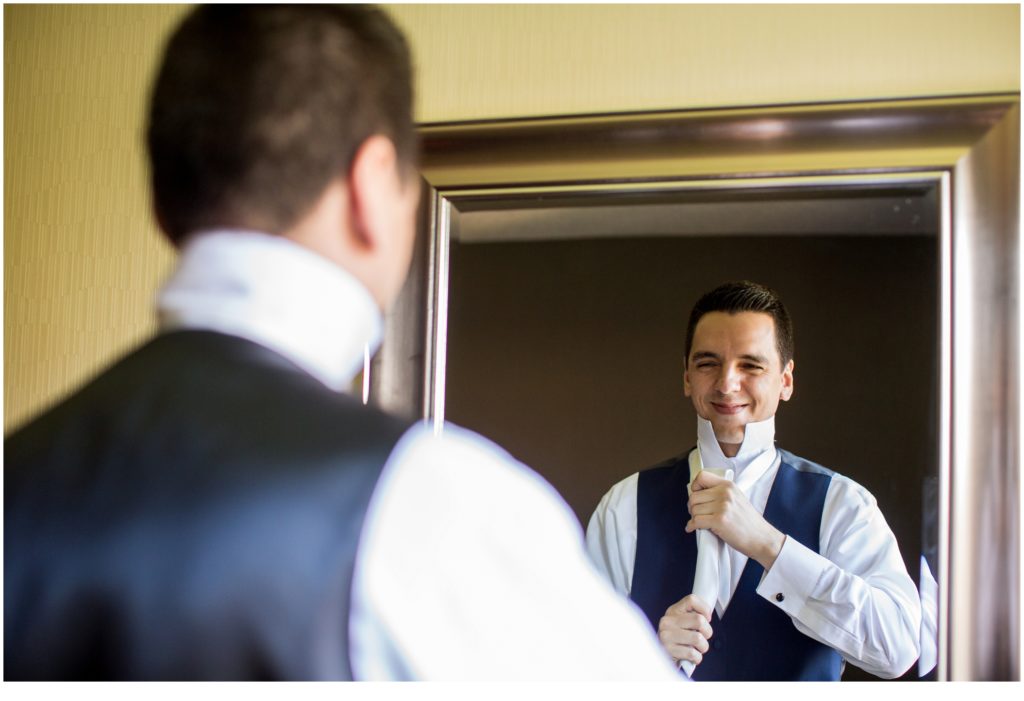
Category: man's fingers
[698,642]
[685,652]
[704,628]
[689,621]
[719,491]
[686,646]
[698,605]
[690,603]
[717,498]
[705,480]
[705,522]
[704,509]
[680,653]
[724,493]
[685,628]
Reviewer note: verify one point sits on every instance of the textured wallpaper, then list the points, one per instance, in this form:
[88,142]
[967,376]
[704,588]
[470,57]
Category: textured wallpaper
[488,61]
[82,256]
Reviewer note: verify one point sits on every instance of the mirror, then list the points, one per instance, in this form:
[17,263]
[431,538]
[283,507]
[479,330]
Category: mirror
[567,322]
[560,258]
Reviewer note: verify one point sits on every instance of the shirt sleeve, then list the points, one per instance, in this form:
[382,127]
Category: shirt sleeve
[611,535]
[857,597]
[472,568]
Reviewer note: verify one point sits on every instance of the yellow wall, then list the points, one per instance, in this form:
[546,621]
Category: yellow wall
[481,61]
[81,254]
[82,257]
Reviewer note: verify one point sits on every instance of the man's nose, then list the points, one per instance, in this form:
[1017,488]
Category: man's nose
[728,380]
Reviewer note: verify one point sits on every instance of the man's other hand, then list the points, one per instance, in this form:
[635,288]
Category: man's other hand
[685,628]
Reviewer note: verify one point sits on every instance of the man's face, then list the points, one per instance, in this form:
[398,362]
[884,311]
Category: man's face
[734,374]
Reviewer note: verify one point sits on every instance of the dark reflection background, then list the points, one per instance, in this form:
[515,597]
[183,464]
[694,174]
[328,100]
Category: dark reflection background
[570,354]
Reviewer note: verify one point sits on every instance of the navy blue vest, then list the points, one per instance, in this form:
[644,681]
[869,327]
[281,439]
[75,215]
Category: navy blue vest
[754,641]
[192,513]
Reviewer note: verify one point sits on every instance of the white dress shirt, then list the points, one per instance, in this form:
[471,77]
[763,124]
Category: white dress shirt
[470,566]
[855,597]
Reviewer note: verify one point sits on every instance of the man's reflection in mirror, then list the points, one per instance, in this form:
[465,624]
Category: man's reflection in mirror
[751,562]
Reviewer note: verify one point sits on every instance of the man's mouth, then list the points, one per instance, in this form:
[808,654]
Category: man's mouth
[728,409]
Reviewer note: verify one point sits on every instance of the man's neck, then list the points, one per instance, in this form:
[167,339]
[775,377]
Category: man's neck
[757,438]
[730,449]
[277,293]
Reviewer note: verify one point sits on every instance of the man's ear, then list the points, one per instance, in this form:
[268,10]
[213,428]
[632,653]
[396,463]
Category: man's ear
[787,381]
[686,381]
[373,181]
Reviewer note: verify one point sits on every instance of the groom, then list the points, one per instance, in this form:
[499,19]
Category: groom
[810,576]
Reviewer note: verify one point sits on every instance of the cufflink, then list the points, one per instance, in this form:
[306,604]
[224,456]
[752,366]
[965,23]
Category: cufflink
[779,597]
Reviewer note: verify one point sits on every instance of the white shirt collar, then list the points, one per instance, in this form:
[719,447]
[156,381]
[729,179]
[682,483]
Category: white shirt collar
[755,456]
[274,292]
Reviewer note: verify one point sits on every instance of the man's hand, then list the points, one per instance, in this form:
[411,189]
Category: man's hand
[685,628]
[720,506]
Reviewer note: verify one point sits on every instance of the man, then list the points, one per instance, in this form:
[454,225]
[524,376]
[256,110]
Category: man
[809,576]
[214,505]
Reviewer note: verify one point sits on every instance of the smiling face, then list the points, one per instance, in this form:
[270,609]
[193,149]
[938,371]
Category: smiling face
[734,374]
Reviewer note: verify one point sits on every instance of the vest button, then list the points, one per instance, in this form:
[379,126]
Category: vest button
[716,643]
[779,597]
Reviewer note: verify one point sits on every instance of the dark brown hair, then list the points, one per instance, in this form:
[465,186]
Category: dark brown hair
[255,109]
[745,296]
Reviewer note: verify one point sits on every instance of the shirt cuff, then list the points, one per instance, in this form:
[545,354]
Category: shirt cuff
[792,579]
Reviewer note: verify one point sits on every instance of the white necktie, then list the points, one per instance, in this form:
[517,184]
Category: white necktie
[707,580]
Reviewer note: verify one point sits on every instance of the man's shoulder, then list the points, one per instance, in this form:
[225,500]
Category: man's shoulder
[105,385]
[464,460]
[220,390]
[458,477]
[804,465]
[843,487]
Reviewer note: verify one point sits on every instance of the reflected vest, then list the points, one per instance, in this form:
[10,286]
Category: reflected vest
[754,640]
[192,513]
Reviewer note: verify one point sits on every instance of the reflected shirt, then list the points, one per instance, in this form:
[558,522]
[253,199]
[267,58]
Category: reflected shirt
[470,566]
[855,597]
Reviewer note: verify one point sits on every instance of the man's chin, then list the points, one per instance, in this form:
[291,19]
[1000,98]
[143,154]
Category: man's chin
[729,433]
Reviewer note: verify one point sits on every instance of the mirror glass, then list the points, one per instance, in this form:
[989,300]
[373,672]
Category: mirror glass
[567,318]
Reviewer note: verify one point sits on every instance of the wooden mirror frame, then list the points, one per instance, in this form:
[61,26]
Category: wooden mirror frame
[968,146]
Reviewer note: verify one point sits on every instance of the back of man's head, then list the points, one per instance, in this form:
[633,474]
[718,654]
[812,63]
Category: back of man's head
[255,110]
[745,296]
